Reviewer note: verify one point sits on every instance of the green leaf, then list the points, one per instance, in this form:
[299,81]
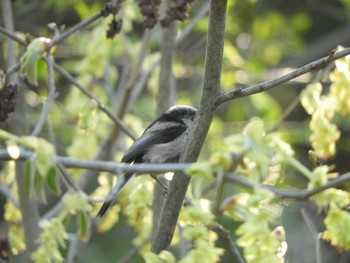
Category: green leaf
[221,159]
[52,180]
[337,225]
[83,225]
[45,152]
[255,129]
[163,257]
[29,175]
[75,202]
[201,169]
[196,232]
[39,188]
[310,97]
[196,214]
[29,60]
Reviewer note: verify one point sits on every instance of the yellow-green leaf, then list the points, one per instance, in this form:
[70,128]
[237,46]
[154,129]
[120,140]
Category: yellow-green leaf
[83,225]
[29,60]
[52,180]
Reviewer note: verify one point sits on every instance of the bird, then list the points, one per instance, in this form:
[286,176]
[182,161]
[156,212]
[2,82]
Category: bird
[162,142]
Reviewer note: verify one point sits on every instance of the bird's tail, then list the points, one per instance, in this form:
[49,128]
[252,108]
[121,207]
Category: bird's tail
[112,195]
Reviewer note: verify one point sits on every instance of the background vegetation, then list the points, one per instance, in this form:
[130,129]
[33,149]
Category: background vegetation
[85,90]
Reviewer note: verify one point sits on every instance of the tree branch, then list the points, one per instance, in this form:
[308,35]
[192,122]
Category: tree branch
[51,96]
[290,194]
[94,165]
[18,125]
[211,89]
[75,28]
[117,168]
[243,92]
[8,194]
[13,36]
[100,105]
[224,235]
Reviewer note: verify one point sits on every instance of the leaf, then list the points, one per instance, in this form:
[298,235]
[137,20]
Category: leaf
[201,169]
[52,180]
[221,159]
[29,60]
[163,257]
[29,175]
[255,129]
[83,225]
[45,152]
[75,202]
[39,188]
[337,225]
[310,97]
[195,232]
[196,214]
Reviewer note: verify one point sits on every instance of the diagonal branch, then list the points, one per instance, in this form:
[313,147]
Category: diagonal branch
[224,235]
[12,36]
[100,105]
[243,92]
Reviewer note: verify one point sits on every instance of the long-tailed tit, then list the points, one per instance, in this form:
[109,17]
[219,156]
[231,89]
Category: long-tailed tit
[162,142]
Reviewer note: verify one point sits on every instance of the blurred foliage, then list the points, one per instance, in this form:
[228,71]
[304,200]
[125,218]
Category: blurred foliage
[271,139]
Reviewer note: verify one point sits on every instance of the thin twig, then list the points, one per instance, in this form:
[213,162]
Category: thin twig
[100,105]
[132,253]
[239,92]
[118,168]
[51,96]
[66,176]
[290,194]
[111,167]
[194,21]
[220,182]
[314,233]
[73,249]
[8,194]
[74,186]
[12,36]
[75,28]
[224,235]
[13,69]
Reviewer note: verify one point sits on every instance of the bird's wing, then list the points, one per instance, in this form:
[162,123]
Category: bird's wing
[150,138]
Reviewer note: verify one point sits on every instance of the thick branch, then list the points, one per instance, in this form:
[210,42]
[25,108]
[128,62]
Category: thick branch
[18,125]
[211,88]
